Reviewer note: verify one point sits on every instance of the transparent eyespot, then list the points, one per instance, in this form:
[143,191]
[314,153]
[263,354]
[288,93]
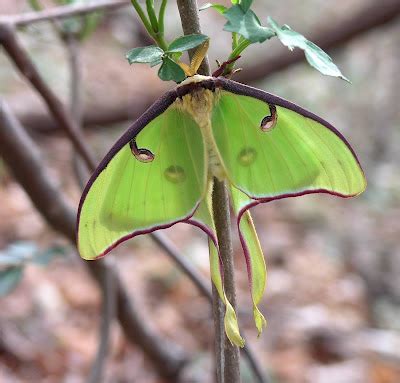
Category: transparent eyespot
[175,174]
[247,156]
[142,155]
[269,122]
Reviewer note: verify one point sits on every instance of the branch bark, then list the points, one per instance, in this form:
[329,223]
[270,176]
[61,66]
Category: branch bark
[27,18]
[227,355]
[73,47]
[22,156]
[22,61]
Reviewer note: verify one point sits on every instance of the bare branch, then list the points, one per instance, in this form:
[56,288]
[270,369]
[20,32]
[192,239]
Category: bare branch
[108,305]
[22,156]
[27,18]
[22,61]
[107,316]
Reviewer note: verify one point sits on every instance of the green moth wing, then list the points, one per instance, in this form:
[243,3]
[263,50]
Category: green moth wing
[203,218]
[137,190]
[272,148]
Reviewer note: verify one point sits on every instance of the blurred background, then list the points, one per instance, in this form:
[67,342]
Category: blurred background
[333,294]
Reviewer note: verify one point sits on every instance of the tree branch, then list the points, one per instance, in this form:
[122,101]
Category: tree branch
[227,355]
[22,61]
[24,19]
[73,45]
[222,223]
[22,156]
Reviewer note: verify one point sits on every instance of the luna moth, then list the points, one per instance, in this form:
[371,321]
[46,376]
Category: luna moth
[160,172]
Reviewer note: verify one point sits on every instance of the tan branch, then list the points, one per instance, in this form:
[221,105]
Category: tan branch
[23,19]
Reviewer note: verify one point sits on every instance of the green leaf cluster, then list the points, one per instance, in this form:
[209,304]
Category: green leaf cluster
[242,21]
[153,55]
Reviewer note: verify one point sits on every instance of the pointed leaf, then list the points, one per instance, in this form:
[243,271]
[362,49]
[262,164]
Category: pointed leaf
[315,56]
[171,71]
[187,42]
[245,4]
[147,55]
[246,24]
[218,7]
[318,59]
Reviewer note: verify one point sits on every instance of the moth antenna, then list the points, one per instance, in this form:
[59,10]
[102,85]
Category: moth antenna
[199,56]
[141,154]
[186,68]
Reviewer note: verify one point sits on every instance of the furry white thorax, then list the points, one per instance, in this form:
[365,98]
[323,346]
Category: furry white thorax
[199,104]
[194,79]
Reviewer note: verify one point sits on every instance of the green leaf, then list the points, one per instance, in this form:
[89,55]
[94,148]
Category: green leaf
[245,4]
[156,62]
[148,55]
[185,43]
[315,56]
[45,257]
[17,253]
[287,36]
[9,279]
[218,7]
[246,24]
[35,5]
[90,24]
[318,59]
[171,71]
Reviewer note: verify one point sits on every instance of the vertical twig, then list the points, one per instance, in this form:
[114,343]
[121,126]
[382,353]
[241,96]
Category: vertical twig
[227,355]
[222,223]
[72,45]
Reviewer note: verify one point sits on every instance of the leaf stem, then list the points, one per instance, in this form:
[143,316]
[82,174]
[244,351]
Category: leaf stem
[161,17]
[152,15]
[240,47]
[157,37]
[234,40]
